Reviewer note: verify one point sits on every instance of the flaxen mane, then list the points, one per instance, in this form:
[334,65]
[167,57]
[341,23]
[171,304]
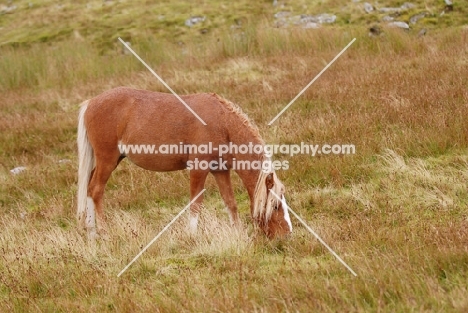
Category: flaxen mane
[244,119]
[264,201]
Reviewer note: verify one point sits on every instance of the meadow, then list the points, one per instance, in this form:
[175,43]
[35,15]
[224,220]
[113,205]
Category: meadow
[396,211]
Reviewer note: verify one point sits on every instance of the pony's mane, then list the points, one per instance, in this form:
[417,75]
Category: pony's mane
[244,119]
[264,200]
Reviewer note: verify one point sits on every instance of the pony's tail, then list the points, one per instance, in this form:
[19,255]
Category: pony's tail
[86,165]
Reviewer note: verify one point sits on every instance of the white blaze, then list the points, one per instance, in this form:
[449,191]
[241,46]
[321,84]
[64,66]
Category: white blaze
[286,213]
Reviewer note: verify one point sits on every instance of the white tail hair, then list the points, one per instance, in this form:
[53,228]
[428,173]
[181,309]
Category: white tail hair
[86,165]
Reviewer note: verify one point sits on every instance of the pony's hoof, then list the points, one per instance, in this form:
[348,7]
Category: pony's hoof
[92,234]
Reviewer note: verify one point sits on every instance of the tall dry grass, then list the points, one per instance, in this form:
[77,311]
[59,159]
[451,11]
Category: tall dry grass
[396,211]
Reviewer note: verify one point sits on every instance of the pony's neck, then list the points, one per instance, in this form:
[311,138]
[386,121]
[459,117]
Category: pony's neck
[250,178]
[250,175]
[242,132]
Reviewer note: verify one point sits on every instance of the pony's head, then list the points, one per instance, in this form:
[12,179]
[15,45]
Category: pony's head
[270,210]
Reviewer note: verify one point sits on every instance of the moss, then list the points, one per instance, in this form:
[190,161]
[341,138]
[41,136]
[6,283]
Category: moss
[102,23]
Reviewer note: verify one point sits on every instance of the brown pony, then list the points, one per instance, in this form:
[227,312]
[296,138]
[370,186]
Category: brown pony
[124,116]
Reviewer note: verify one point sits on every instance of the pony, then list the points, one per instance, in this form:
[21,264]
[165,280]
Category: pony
[123,117]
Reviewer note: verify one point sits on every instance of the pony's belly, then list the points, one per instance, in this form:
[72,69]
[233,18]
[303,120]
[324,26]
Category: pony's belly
[156,163]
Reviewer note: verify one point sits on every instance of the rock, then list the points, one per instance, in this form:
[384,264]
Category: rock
[368,7]
[194,20]
[326,18]
[407,6]
[323,18]
[398,24]
[18,170]
[422,32]
[282,14]
[310,25]
[303,20]
[307,19]
[389,10]
[415,18]
[387,18]
[62,161]
[4,9]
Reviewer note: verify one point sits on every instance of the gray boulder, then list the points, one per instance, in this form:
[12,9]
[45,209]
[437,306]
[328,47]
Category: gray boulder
[368,7]
[415,18]
[398,24]
[194,20]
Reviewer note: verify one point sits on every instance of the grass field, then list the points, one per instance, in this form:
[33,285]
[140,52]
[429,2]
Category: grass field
[396,211]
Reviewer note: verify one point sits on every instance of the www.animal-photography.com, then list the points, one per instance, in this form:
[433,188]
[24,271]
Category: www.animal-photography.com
[234,156]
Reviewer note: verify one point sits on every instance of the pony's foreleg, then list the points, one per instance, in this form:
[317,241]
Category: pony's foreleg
[223,179]
[197,182]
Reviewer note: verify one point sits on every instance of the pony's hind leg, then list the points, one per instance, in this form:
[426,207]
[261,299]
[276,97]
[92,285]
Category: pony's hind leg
[99,178]
[197,182]
[223,179]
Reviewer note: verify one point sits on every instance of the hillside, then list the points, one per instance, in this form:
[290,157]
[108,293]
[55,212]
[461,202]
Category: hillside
[101,22]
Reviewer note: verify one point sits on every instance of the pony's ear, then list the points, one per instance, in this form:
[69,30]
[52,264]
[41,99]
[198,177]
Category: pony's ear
[269,181]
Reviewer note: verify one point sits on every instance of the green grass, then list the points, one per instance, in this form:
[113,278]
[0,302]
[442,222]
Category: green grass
[102,22]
